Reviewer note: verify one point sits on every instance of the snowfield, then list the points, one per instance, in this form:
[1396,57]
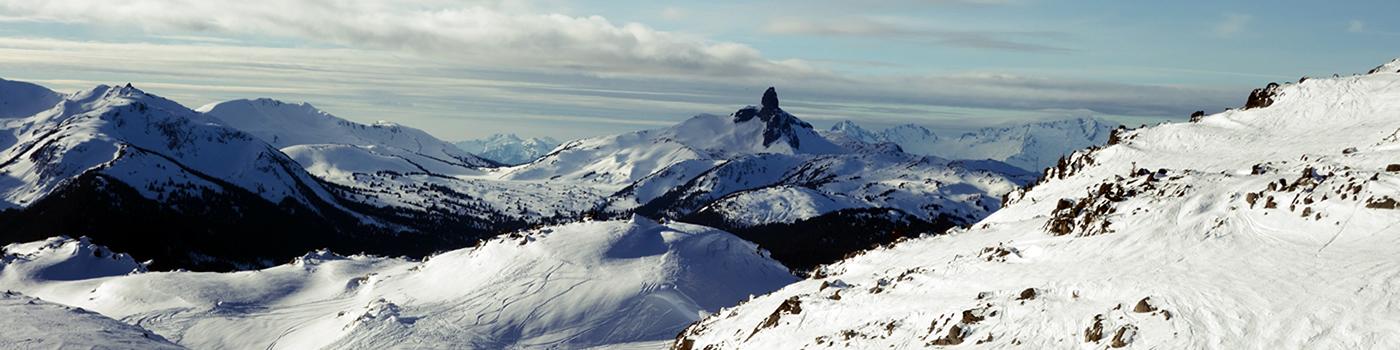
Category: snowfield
[615,283]
[1264,228]
[31,323]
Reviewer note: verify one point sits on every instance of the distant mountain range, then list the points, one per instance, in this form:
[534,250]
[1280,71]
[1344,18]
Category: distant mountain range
[593,243]
[1031,146]
[509,148]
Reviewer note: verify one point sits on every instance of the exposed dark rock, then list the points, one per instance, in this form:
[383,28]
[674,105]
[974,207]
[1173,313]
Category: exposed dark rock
[791,306]
[1382,203]
[1392,168]
[770,98]
[954,337]
[1124,336]
[1094,333]
[1196,117]
[780,126]
[1028,294]
[970,317]
[1144,305]
[1260,98]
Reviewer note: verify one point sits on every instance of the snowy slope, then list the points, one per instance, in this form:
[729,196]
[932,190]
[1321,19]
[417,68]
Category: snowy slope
[284,124]
[571,286]
[152,144]
[509,148]
[36,324]
[21,99]
[1031,146]
[1271,227]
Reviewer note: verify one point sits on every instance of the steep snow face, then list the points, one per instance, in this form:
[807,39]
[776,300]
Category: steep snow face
[154,145]
[31,323]
[21,99]
[1030,146]
[571,286]
[285,124]
[1228,233]
[509,148]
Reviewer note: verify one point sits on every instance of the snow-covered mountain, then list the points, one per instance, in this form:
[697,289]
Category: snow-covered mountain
[306,177]
[285,124]
[509,148]
[118,163]
[21,99]
[1031,146]
[810,192]
[1273,226]
[579,285]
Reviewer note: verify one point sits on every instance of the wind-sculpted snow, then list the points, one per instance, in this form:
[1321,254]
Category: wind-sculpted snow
[1272,227]
[571,286]
[30,323]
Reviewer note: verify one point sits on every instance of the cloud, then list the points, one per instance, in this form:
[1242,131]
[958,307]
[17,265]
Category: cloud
[673,13]
[463,70]
[1356,26]
[452,100]
[873,28]
[1231,25]
[483,33]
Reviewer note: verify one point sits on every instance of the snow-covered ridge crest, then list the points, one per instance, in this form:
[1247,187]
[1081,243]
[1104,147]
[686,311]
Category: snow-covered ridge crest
[570,286]
[290,124]
[1226,233]
[126,133]
[21,99]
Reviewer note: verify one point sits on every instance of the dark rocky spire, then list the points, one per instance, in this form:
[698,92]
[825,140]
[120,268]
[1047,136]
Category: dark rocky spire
[770,98]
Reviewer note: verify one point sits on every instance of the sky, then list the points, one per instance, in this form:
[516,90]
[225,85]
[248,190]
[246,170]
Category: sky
[569,69]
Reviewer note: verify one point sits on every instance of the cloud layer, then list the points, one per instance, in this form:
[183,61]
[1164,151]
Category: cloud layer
[462,70]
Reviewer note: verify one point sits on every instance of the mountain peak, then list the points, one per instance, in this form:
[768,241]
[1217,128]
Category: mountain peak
[780,126]
[770,98]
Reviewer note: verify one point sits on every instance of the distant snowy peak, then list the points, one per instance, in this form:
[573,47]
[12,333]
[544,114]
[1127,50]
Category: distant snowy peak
[619,160]
[21,99]
[750,130]
[151,143]
[287,124]
[1031,146]
[509,148]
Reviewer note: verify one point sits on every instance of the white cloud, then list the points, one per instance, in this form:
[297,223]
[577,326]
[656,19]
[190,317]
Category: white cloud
[856,26]
[490,67]
[1356,26]
[1232,24]
[671,13]
[482,33]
